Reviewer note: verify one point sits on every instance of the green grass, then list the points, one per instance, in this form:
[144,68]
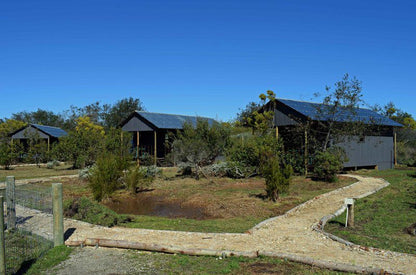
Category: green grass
[183,264]
[52,258]
[381,219]
[29,172]
[22,249]
[230,225]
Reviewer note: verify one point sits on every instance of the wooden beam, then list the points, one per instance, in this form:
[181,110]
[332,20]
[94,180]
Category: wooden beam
[155,148]
[306,152]
[395,148]
[49,144]
[137,147]
[277,132]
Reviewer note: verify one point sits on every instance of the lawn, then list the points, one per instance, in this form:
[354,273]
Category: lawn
[29,172]
[382,218]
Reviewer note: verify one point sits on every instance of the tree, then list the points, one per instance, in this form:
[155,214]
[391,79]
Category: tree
[341,102]
[82,145]
[9,153]
[121,110]
[200,145]
[40,116]
[9,126]
[277,176]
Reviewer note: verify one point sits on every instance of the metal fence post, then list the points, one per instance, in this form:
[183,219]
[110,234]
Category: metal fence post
[58,220]
[2,243]
[11,202]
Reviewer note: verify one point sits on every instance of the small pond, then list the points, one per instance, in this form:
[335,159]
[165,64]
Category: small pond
[146,204]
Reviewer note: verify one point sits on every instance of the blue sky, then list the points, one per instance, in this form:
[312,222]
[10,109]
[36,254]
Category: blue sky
[207,58]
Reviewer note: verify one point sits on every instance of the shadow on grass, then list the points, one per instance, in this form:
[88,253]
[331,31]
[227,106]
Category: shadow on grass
[25,267]
[340,224]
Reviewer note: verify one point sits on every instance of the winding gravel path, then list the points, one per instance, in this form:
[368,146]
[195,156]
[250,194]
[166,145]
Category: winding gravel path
[290,235]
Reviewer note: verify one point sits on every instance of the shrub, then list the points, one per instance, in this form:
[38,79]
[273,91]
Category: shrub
[140,178]
[84,209]
[52,164]
[328,163]
[106,175]
[85,174]
[277,177]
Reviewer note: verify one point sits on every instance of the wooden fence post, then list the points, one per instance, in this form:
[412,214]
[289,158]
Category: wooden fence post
[58,219]
[11,202]
[2,243]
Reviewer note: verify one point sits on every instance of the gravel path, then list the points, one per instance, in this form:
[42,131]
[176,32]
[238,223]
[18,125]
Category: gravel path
[289,235]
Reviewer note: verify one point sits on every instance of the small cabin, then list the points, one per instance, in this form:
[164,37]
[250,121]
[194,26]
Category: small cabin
[375,148]
[47,133]
[153,131]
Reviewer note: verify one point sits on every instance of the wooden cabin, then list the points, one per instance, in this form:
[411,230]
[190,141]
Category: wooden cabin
[374,148]
[152,131]
[47,133]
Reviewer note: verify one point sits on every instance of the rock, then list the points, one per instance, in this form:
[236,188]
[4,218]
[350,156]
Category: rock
[411,229]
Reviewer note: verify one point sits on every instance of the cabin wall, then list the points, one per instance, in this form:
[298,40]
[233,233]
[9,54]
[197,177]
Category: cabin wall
[369,151]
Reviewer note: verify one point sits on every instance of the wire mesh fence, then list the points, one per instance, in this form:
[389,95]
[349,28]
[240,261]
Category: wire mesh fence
[22,246]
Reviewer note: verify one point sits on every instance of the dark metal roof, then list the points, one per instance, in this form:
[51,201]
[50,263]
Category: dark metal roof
[168,121]
[310,110]
[49,130]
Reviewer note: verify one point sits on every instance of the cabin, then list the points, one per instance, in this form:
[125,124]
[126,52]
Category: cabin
[374,147]
[153,131]
[47,133]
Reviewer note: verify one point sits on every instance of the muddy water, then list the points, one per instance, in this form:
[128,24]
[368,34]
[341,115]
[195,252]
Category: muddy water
[145,204]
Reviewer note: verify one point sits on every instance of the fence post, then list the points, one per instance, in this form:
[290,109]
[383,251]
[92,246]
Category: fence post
[11,202]
[58,220]
[2,243]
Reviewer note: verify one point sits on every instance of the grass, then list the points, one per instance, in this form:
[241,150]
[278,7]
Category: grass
[22,249]
[381,219]
[52,258]
[29,172]
[183,264]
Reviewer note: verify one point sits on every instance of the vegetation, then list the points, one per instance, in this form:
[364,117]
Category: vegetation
[382,219]
[138,178]
[84,209]
[22,249]
[277,177]
[199,146]
[106,175]
[50,259]
[31,172]
[328,164]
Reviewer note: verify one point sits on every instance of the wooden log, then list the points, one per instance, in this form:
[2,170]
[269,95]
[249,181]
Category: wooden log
[160,248]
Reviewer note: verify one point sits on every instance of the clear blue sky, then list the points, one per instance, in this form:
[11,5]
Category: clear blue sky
[206,58]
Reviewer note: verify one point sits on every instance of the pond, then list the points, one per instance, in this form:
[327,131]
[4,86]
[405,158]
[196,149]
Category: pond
[147,204]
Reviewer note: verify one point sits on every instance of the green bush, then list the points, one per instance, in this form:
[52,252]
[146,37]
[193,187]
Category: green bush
[86,210]
[106,175]
[231,169]
[140,178]
[277,176]
[328,163]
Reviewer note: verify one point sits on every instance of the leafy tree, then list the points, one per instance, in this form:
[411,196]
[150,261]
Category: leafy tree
[40,116]
[199,146]
[9,126]
[277,176]
[37,149]
[9,153]
[82,145]
[121,110]
[340,102]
